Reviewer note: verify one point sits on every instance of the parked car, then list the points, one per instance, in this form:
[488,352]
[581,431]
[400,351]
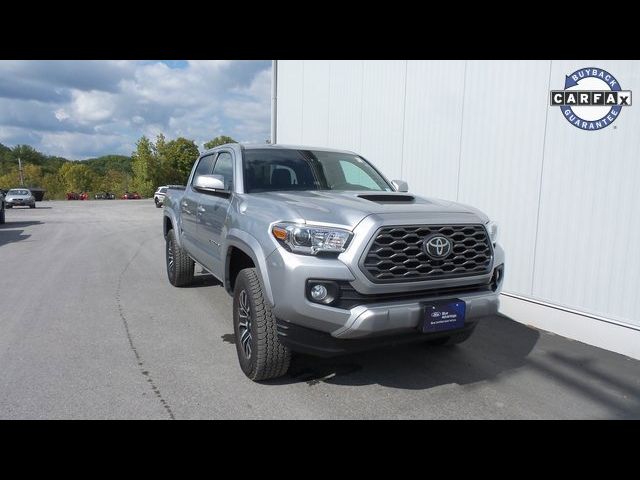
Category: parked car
[73,196]
[323,255]
[2,206]
[20,197]
[130,196]
[158,197]
[84,196]
[105,196]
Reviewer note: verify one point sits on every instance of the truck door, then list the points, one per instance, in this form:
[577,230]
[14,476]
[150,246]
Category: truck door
[189,204]
[212,213]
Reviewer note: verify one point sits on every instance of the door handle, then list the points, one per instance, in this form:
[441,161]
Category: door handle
[201,209]
[185,204]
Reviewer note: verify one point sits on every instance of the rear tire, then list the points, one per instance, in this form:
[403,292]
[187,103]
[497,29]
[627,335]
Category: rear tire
[453,339]
[180,267]
[260,353]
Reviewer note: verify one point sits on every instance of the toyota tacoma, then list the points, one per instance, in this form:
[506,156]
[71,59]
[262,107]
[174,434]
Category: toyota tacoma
[323,255]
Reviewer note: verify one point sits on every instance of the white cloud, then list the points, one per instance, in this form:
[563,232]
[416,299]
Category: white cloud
[80,145]
[85,109]
[251,108]
[61,114]
[92,106]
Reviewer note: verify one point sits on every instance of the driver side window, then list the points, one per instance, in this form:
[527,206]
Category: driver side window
[224,168]
[204,167]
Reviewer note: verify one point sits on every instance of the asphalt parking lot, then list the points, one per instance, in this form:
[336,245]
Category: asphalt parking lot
[91,328]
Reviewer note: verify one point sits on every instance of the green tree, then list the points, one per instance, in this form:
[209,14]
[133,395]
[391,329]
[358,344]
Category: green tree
[165,171]
[57,175]
[32,175]
[221,140]
[27,154]
[54,186]
[113,181]
[102,164]
[77,177]
[10,179]
[181,154]
[143,165]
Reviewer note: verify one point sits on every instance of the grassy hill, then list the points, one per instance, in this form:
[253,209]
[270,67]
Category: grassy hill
[58,175]
[101,165]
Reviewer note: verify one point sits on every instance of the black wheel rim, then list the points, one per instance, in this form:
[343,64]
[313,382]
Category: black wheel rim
[171,261]
[244,323]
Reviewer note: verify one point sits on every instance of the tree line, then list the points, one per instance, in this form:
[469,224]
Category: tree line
[151,164]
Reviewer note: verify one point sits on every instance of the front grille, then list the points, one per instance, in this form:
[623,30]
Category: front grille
[396,253]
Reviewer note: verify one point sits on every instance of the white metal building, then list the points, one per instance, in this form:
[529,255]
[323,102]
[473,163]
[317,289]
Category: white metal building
[483,133]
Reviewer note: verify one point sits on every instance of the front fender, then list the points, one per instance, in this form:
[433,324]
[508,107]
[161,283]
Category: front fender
[252,247]
[170,217]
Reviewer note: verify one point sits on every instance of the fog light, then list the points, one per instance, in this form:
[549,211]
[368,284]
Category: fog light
[319,292]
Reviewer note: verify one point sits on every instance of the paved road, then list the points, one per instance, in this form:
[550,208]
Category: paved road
[91,328]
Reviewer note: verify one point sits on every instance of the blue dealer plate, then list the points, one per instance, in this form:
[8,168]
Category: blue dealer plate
[443,315]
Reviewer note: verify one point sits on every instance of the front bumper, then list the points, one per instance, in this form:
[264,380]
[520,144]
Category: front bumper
[314,342]
[19,203]
[288,273]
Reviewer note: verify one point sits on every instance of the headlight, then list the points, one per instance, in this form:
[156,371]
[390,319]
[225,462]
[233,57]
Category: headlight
[492,228]
[309,239]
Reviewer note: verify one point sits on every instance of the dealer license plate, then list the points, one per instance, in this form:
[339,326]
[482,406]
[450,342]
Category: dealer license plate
[443,315]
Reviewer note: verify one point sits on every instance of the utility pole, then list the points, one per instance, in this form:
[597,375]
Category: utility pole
[274,102]
[20,170]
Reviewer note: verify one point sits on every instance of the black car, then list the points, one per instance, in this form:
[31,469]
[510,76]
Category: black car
[105,196]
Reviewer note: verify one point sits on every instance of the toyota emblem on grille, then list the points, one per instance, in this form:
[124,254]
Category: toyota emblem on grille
[437,247]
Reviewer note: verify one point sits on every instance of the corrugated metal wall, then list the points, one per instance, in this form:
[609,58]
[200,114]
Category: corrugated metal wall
[481,132]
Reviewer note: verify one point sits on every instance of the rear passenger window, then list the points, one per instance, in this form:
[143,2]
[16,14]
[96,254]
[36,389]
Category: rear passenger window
[204,167]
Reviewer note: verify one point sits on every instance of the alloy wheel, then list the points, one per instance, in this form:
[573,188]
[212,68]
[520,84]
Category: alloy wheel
[171,261]
[244,323]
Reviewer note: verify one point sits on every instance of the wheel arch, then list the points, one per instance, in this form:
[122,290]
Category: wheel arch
[238,251]
[169,223]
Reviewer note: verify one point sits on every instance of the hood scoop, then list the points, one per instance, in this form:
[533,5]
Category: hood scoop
[388,199]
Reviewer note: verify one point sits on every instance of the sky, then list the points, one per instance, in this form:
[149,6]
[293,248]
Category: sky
[80,109]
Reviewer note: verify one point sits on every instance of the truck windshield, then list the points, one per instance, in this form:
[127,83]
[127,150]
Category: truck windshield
[268,170]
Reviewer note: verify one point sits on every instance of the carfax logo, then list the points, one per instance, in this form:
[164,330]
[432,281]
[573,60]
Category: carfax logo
[592,98]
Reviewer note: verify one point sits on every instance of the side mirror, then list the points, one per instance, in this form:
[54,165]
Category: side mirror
[209,183]
[400,185]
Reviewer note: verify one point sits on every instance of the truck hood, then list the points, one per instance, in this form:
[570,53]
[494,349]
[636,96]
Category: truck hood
[348,208]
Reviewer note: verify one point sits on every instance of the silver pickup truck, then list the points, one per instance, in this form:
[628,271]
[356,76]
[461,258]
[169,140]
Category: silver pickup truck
[323,255]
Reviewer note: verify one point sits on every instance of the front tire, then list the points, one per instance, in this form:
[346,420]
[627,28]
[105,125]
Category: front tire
[157,203]
[180,267]
[260,353]
[32,206]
